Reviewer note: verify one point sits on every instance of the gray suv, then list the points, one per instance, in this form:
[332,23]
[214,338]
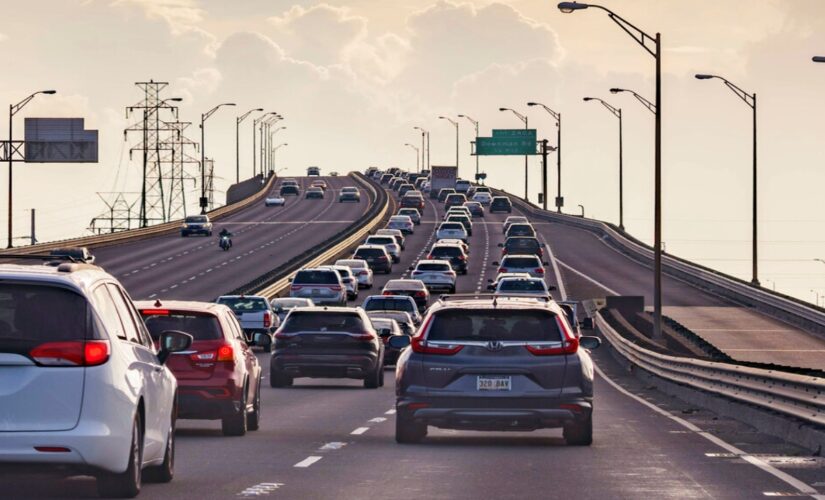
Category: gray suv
[495,363]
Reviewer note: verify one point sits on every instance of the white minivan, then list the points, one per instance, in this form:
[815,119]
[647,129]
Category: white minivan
[462,186]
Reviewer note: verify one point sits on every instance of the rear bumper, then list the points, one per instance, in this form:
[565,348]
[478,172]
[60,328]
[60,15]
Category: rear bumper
[495,414]
[353,365]
[208,399]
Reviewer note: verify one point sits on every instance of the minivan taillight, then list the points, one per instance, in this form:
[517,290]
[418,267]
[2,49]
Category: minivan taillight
[72,353]
[502,269]
[539,270]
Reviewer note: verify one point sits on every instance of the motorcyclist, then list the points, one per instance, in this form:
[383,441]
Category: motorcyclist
[226,234]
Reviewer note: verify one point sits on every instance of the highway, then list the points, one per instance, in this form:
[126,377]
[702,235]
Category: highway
[195,268]
[334,439]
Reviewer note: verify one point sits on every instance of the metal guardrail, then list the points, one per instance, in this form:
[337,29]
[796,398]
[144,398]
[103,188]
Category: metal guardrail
[277,281]
[798,396]
[781,307]
[109,239]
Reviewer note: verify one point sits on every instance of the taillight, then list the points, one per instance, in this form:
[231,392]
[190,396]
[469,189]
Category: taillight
[461,257]
[267,319]
[364,337]
[225,353]
[569,344]
[387,292]
[283,335]
[421,293]
[539,270]
[295,288]
[335,288]
[420,345]
[72,353]
[502,269]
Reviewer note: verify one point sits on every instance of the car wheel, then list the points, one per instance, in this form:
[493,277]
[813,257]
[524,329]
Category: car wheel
[237,424]
[127,483]
[253,422]
[408,431]
[579,433]
[268,348]
[381,370]
[373,380]
[452,289]
[278,379]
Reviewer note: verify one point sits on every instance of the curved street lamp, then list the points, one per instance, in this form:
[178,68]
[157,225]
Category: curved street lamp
[455,124]
[417,158]
[750,100]
[559,200]
[425,147]
[524,120]
[238,121]
[645,40]
[617,112]
[203,201]
[475,124]
[275,150]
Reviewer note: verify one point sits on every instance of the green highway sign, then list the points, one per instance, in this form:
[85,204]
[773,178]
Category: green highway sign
[521,133]
[506,142]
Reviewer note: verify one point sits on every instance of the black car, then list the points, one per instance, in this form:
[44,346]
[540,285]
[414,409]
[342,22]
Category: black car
[520,230]
[523,245]
[327,342]
[376,256]
[290,190]
[452,253]
[501,204]
[444,193]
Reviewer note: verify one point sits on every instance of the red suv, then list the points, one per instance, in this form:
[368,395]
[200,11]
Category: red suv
[219,377]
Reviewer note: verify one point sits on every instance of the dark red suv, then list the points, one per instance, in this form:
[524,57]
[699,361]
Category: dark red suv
[219,377]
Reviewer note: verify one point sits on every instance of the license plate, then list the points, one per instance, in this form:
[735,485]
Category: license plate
[316,292]
[493,384]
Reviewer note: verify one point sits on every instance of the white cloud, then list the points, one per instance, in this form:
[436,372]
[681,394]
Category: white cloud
[319,34]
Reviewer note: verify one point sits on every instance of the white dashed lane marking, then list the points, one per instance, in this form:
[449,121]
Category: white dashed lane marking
[303,464]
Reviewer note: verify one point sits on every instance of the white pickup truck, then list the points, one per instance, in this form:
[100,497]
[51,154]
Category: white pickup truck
[254,314]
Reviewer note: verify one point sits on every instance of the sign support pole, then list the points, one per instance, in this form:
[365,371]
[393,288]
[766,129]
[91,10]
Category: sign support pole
[544,173]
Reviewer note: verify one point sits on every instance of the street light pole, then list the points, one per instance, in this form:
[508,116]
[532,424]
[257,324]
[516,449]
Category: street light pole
[750,100]
[417,159]
[645,40]
[13,109]
[617,112]
[271,136]
[557,116]
[255,123]
[275,150]
[204,117]
[523,118]
[455,124]
[425,146]
[475,124]
[238,121]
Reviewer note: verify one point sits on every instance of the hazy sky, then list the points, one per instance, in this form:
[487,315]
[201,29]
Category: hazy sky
[353,77]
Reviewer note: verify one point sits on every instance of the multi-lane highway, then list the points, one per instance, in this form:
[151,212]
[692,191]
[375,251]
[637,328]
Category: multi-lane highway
[196,268]
[334,439]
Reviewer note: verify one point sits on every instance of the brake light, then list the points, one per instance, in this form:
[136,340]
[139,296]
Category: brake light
[267,319]
[225,353]
[364,337]
[155,312]
[283,335]
[461,257]
[52,449]
[421,293]
[387,292]
[539,270]
[420,345]
[502,269]
[569,345]
[295,288]
[541,252]
[72,353]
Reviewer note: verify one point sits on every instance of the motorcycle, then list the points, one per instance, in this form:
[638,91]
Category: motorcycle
[225,243]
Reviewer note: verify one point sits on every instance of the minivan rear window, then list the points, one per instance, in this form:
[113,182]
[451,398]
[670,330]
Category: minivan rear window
[502,324]
[363,253]
[199,325]
[314,321]
[382,304]
[316,278]
[433,267]
[244,304]
[520,262]
[446,252]
[42,313]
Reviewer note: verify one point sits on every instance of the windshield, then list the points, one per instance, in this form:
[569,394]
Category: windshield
[503,324]
[244,304]
[369,252]
[433,267]
[446,252]
[389,304]
[316,278]
[197,219]
[520,262]
[315,321]
[521,286]
[42,313]
[452,225]
[199,326]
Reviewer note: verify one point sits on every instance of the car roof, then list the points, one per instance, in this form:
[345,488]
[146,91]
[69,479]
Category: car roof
[347,262]
[401,284]
[512,275]
[497,302]
[319,268]
[242,297]
[184,305]
[328,309]
[434,261]
[521,256]
[81,277]
[371,247]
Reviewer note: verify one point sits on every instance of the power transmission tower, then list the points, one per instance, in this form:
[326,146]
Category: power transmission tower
[175,154]
[210,185]
[119,214]
[151,127]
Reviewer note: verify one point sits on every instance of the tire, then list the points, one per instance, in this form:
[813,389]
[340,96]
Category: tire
[381,370]
[373,380]
[408,431]
[237,424]
[452,290]
[127,483]
[277,379]
[253,421]
[579,433]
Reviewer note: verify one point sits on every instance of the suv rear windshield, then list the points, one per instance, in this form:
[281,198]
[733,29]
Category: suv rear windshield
[244,304]
[363,253]
[520,262]
[433,267]
[456,198]
[316,278]
[199,326]
[495,324]
[383,304]
[381,240]
[198,219]
[41,313]
[452,225]
[315,321]
[527,243]
[521,286]
[446,251]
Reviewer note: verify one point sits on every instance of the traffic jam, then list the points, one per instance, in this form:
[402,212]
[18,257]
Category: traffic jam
[467,354]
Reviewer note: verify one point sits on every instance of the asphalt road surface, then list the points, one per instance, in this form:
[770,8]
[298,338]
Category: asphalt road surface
[327,438]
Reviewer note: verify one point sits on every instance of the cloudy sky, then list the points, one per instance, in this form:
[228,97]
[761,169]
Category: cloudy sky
[353,77]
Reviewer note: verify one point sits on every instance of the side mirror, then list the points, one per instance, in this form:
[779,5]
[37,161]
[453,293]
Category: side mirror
[500,245]
[551,287]
[590,342]
[173,341]
[586,324]
[384,333]
[262,339]
[399,341]
[411,268]
[495,263]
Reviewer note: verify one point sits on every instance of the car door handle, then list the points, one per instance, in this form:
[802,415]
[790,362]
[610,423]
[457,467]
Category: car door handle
[158,368]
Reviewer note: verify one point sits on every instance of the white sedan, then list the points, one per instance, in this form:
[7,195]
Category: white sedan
[361,270]
[275,201]
[451,230]
[401,222]
[435,274]
[483,198]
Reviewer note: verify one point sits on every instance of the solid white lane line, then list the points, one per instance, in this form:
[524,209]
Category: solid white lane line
[390,412]
[307,462]
[554,263]
[588,278]
[801,486]
[359,431]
